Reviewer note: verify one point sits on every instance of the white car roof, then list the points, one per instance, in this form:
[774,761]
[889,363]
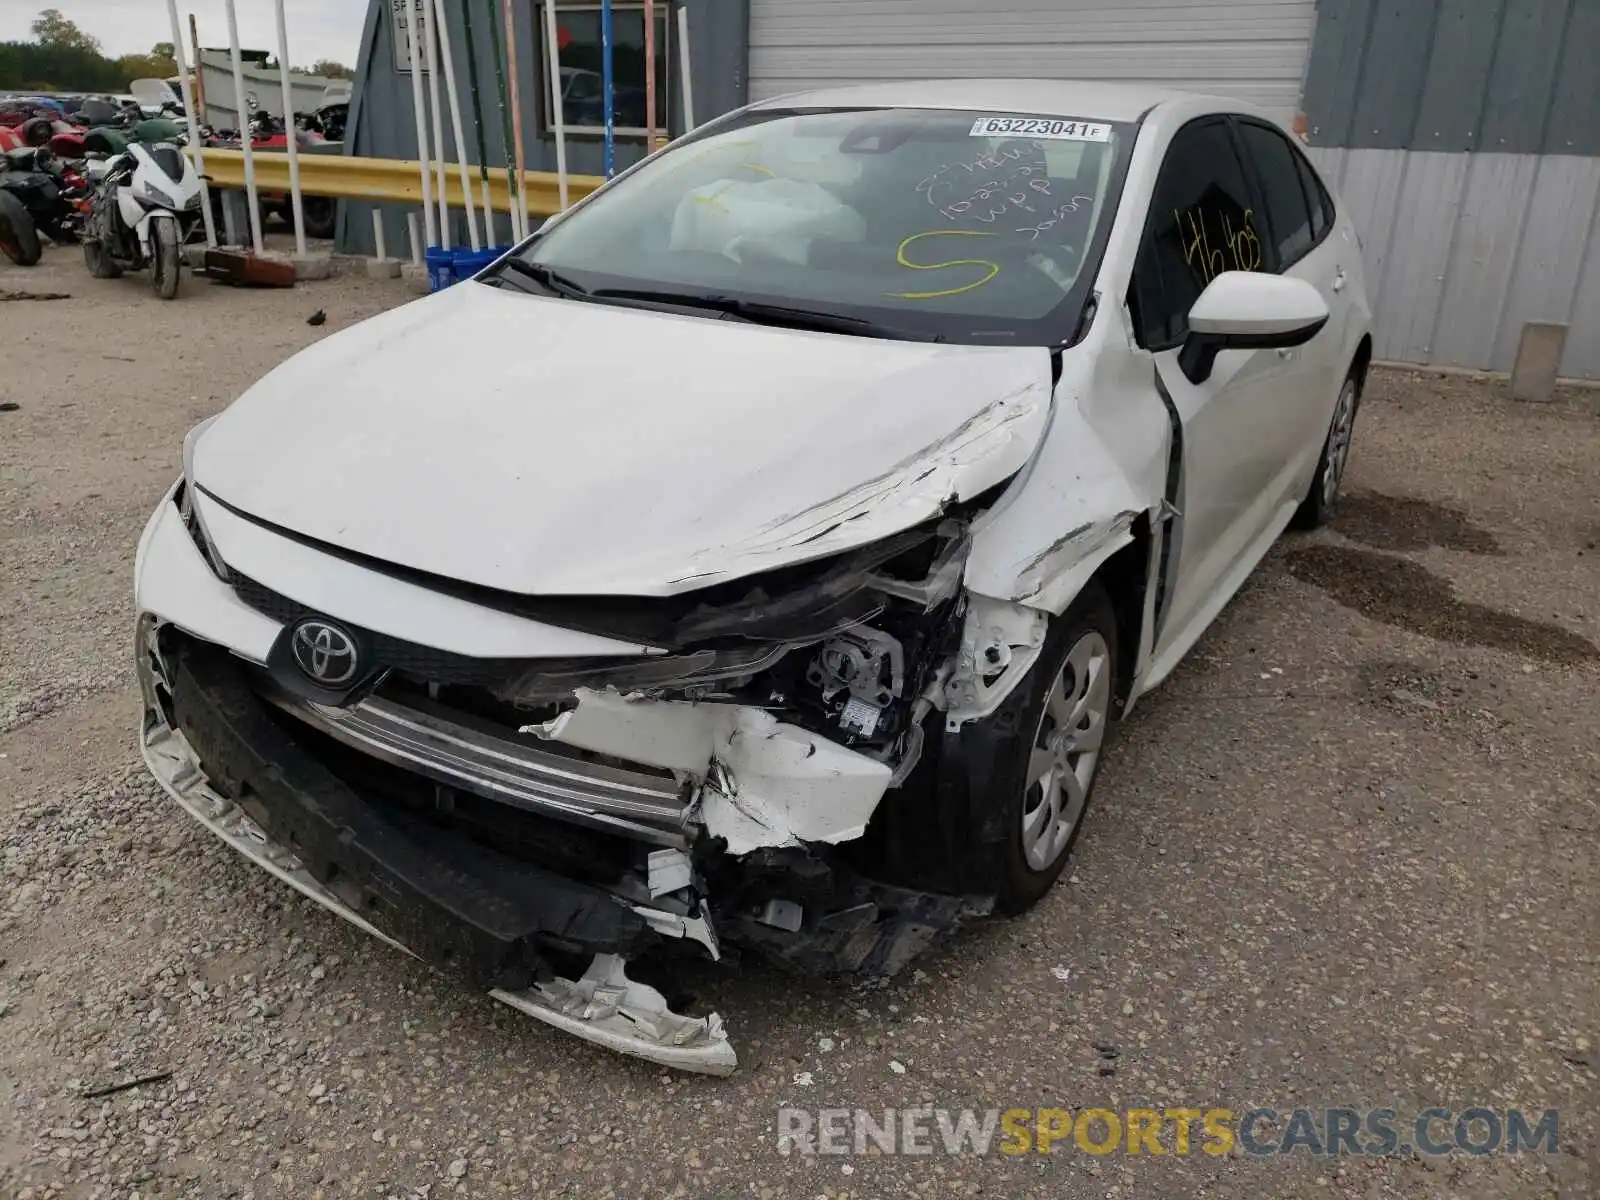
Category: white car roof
[1046,97]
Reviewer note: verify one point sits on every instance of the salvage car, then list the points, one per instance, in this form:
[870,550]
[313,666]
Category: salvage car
[755,562]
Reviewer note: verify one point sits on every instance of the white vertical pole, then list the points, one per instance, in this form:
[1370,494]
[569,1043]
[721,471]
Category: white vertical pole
[416,238]
[558,117]
[420,113]
[650,113]
[430,25]
[683,68]
[453,97]
[519,202]
[377,234]
[244,130]
[489,232]
[290,131]
[196,150]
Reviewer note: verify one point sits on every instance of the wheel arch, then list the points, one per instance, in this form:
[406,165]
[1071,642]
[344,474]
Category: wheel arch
[1127,577]
[1362,360]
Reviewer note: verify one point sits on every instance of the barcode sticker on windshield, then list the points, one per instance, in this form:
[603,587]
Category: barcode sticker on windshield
[1042,127]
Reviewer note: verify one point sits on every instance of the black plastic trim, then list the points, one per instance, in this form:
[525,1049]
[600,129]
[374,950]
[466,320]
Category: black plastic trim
[455,902]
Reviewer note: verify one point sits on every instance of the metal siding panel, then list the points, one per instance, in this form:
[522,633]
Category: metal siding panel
[1488,235]
[1464,39]
[1330,164]
[1560,213]
[1394,69]
[1412,285]
[1582,358]
[1574,125]
[1254,49]
[1370,190]
[1333,73]
[1523,76]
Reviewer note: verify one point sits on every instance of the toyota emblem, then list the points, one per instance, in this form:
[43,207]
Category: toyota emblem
[326,653]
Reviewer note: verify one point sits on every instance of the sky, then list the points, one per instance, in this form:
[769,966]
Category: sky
[317,29]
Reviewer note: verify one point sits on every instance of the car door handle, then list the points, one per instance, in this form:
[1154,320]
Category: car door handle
[1339,280]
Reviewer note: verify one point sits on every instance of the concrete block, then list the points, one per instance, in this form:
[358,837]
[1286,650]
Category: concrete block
[194,256]
[383,268]
[1533,375]
[311,266]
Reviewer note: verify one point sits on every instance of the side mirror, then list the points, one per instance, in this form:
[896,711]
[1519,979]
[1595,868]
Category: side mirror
[1246,310]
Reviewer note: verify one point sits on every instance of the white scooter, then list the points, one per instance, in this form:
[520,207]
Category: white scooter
[146,204]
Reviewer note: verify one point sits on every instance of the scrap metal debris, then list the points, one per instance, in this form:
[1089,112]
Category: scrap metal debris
[35,296]
[9,406]
[127,1085]
[241,268]
[317,318]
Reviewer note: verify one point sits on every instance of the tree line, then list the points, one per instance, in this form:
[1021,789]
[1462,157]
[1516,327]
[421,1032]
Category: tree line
[63,58]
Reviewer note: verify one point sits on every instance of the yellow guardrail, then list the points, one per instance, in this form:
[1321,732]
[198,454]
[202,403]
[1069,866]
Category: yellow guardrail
[387,179]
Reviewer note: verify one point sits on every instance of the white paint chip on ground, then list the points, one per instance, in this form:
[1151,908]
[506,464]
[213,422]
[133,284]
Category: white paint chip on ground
[1064,974]
[899,1068]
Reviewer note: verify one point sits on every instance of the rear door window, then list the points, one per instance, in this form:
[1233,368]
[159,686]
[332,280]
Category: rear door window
[1283,195]
[1317,196]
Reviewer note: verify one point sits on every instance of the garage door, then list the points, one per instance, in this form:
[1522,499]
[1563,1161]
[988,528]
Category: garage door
[1252,49]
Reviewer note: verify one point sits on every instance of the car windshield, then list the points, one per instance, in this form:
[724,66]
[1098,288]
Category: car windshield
[955,226]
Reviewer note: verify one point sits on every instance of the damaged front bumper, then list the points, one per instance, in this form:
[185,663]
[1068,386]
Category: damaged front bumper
[450,903]
[557,854]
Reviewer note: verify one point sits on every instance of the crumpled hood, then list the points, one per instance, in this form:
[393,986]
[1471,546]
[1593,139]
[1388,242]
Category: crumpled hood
[547,446]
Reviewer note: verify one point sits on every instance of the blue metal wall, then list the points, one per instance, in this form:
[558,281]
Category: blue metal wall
[381,124]
[1497,76]
[1464,135]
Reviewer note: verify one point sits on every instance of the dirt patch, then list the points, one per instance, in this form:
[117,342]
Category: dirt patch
[1405,523]
[1404,594]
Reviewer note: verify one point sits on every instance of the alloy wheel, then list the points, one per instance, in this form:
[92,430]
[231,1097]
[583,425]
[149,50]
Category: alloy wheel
[1066,751]
[1339,437]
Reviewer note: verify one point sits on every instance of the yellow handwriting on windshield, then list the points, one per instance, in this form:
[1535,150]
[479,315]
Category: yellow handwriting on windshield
[991,268]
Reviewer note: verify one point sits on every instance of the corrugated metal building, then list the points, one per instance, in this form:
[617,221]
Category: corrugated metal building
[1255,49]
[1465,137]
[1463,134]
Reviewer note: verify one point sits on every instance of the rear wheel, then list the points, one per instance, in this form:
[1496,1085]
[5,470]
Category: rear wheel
[98,259]
[1318,505]
[319,213]
[164,258]
[19,240]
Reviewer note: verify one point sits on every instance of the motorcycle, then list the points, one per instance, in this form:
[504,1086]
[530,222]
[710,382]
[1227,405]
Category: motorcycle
[38,195]
[146,206]
[268,132]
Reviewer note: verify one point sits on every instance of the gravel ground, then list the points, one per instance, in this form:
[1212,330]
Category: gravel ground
[1346,856]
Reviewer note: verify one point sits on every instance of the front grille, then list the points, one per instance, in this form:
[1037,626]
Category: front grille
[636,802]
[425,663]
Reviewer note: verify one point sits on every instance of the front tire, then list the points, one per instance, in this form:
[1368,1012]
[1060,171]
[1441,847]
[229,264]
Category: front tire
[164,258]
[1319,503]
[1064,712]
[19,240]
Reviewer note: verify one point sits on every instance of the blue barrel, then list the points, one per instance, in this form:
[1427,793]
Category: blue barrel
[441,267]
[470,262]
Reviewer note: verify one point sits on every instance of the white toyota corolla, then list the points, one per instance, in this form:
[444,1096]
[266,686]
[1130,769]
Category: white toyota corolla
[758,559]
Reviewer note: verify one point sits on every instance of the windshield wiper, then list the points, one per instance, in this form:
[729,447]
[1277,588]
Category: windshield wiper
[761,313]
[550,280]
